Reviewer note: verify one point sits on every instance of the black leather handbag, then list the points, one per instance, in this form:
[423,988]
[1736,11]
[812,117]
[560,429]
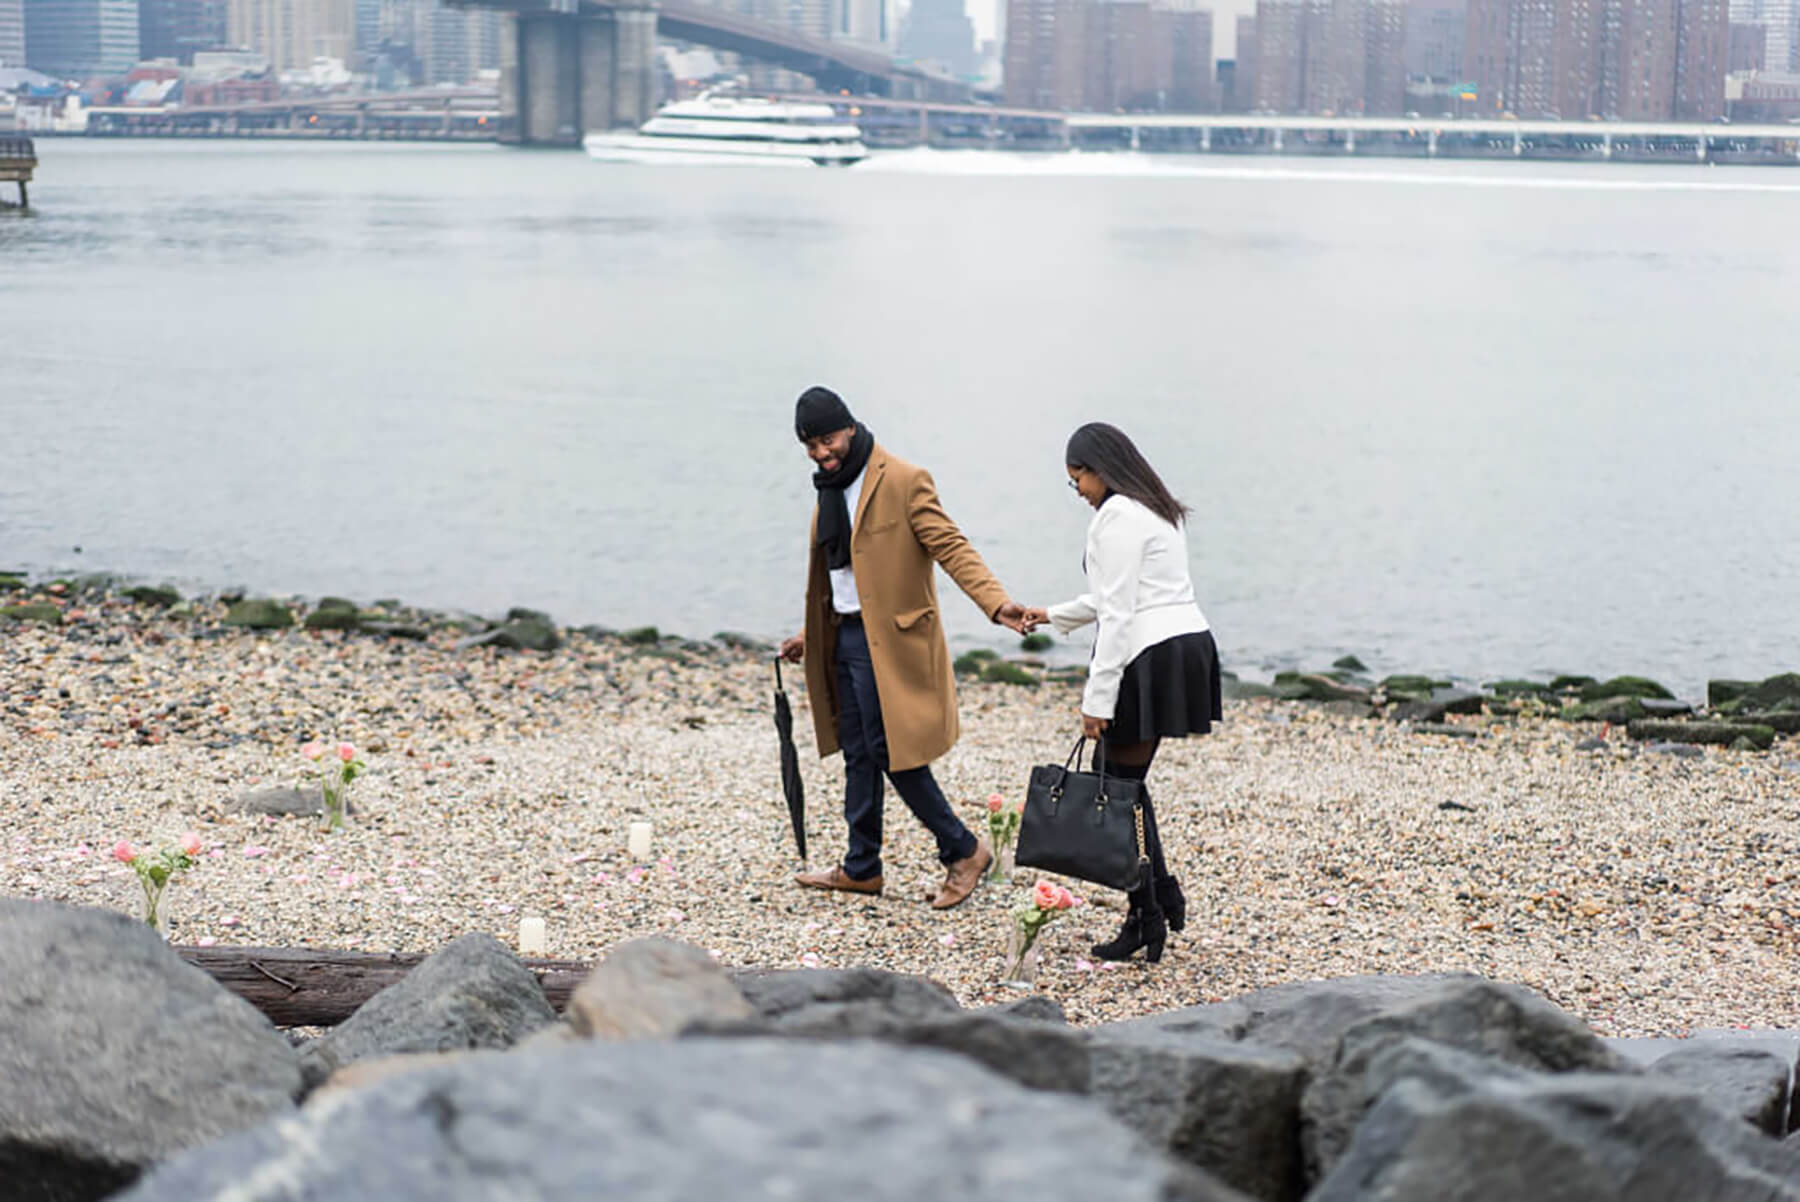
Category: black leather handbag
[1084,824]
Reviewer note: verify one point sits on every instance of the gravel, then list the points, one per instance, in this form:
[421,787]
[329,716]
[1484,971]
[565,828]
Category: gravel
[1646,893]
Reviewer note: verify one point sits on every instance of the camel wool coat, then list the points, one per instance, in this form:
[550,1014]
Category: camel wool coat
[898,533]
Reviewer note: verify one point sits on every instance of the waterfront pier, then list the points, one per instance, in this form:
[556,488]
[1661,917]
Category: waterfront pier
[18,159]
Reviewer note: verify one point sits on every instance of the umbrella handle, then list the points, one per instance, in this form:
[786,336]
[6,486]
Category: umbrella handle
[778,673]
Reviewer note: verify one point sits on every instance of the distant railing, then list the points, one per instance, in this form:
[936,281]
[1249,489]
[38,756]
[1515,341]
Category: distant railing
[17,152]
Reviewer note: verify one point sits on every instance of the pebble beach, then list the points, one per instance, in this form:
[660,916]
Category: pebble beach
[1648,893]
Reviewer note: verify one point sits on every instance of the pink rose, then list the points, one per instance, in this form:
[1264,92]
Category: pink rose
[1021,806]
[123,853]
[1043,895]
[995,803]
[346,752]
[312,751]
[190,843]
[1064,899]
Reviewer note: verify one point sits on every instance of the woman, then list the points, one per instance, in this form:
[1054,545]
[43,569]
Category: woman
[1155,668]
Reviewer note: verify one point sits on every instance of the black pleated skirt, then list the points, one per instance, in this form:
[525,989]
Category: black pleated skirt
[1170,690]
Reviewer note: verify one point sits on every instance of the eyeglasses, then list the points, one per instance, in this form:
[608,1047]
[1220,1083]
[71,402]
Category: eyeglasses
[1074,484]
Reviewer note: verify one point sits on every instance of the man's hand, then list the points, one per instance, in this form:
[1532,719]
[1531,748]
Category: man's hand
[1035,617]
[794,650]
[1093,728]
[1012,616]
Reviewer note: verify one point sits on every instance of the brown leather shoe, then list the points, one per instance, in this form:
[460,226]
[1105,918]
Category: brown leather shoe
[963,876]
[840,880]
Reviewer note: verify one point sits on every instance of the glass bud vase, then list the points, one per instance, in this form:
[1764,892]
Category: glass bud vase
[1021,960]
[1002,867]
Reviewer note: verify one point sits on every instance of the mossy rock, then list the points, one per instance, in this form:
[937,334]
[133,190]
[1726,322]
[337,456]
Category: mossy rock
[1036,642]
[738,641]
[1234,689]
[333,619]
[642,636]
[1316,686]
[1349,663]
[1776,692]
[970,663]
[1407,687]
[1723,692]
[519,613]
[1785,722]
[41,611]
[1000,672]
[1625,686]
[1719,734]
[12,582]
[1744,743]
[1072,675]
[1605,709]
[1570,684]
[160,596]
[259,615]
[523,634]
[339,604]
[1518,688]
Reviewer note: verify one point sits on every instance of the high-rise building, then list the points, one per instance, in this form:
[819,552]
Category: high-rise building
[1749,48]
[292,33]
[178,29]
[1537,58]
[1637,60]
[939,31]
[12,33]
[1780,20]
[1243,70]
[81,38]
[1384,66]
[1188,33]
[462,41]
[866,22]
[1046,42]
[1434,40]
[1279,68]
[1702,59]
[1329,56]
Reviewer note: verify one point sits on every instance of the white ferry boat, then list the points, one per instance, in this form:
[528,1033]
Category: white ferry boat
[736,129]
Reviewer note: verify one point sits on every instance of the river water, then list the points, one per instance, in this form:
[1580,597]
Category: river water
[1478,418]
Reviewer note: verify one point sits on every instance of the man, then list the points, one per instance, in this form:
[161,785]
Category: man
[877,668]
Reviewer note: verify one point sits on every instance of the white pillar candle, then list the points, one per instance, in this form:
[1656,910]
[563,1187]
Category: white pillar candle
[638,843]
[531,936]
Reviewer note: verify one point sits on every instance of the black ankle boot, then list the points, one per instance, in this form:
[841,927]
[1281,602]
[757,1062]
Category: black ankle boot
[1143,928]
[1172,901]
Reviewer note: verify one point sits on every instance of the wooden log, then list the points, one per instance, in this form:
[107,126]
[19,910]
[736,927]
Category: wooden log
[320,987]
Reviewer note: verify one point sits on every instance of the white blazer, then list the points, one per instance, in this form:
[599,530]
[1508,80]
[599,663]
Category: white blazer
[1138,590]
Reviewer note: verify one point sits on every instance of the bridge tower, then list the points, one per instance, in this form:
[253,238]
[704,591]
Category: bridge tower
[565,73]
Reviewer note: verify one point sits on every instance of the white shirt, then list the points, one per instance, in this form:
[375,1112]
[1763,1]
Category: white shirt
[1139,592]
[844,598]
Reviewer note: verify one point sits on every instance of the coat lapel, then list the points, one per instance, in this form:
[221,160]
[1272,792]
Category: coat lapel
[871,480]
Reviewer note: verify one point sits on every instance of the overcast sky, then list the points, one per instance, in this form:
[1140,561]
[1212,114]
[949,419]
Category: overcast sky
[1225,14]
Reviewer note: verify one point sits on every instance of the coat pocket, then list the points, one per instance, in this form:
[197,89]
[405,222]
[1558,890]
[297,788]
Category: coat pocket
[911,618]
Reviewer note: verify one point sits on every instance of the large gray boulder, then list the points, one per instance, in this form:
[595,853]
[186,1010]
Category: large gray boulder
[1578,1137]
[1304,1017]
[1751,1082]
[116,1054]
[802,995]
[693,1121]
[1230,1109]
[472,993]
[1503,1024]
[651,988]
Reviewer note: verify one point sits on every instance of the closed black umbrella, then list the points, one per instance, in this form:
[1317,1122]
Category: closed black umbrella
[791,784]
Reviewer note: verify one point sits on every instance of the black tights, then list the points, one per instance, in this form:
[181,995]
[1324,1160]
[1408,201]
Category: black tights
[1132,761]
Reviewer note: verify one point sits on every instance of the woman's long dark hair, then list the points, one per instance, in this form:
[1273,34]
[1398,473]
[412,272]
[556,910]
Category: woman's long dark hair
[1105,451]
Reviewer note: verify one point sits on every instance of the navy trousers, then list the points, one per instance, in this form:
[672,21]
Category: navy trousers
[864,742]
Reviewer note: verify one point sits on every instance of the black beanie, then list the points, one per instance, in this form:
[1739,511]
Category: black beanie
[819,412]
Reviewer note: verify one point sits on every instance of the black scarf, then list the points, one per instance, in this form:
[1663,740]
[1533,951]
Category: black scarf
[834,511]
